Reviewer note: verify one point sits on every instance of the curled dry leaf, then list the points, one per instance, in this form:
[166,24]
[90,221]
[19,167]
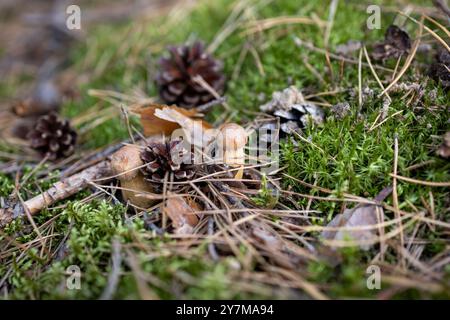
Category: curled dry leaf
[362,216]
[182,213]
[357,217]
[444,149]
[153,125]
[267,238]
[196,131]
[163,119]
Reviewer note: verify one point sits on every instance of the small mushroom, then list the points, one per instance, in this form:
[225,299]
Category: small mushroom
[231,140]
[125,163]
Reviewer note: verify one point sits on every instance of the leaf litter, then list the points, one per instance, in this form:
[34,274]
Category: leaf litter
[223,204]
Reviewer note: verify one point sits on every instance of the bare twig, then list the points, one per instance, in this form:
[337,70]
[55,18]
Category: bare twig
[113,278]
[58,191]
[395,199]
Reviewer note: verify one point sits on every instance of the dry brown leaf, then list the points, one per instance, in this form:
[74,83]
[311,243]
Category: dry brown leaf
[356,217]
[444,149]
[153,124]
[267,238]
[360,216]
[196,131]
[182,213]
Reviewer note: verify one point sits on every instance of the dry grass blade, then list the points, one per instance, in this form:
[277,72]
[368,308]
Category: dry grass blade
[300,282]
[232,23]
[211,90]
[373,71]
[331,15]
[421,182]
[395,200]
[113,279]
[447,32]
[434,34]
[373,127]
[265,24]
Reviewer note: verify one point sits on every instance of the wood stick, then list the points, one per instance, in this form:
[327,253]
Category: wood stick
[59,191]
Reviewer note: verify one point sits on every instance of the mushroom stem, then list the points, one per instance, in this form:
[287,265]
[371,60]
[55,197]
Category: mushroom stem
[125,163]
[231,140]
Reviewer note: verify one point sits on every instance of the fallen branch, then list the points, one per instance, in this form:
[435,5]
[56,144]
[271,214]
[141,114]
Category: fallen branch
[59,191]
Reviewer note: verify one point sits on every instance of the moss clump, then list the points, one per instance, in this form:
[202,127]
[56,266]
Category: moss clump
[346,156]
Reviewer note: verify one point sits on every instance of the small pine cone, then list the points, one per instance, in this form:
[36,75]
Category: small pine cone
[293,111]
[396,43]
[175,78]
[167,158]
[53,137]
[439,69]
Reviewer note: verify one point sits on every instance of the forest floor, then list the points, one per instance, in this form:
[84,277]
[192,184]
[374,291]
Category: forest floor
[371,139]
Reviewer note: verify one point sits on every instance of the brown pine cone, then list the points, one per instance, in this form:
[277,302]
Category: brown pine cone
[167,158]
[174,80]
[293,111]
[396,43]
[439,69]
[53,137]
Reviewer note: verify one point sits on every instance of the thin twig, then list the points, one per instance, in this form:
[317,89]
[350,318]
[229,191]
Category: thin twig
[421,182]
[395,198]
[113,278]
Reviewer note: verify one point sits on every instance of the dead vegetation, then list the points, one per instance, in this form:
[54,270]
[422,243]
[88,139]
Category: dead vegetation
[270,231]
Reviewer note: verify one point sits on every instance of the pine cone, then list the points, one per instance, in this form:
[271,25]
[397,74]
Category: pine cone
[396,43]
[175,79]
[167,158]
[294,113]
[53,137]
[439,69]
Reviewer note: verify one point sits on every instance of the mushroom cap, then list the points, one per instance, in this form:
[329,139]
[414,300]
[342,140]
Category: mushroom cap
[125,160]
[232,136]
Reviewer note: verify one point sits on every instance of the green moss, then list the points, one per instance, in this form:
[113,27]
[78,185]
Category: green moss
[346,155]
